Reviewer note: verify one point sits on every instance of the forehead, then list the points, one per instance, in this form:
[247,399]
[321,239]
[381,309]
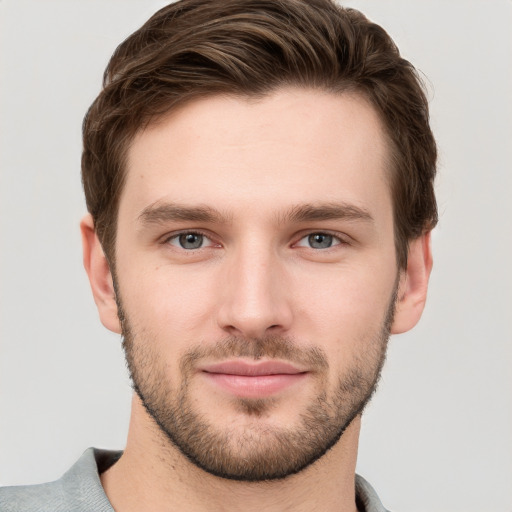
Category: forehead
[290,147]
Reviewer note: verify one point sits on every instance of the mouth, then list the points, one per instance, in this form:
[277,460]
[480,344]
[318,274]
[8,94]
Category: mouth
[253,380]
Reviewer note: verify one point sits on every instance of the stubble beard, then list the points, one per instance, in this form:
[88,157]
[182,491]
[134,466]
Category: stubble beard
[255,452]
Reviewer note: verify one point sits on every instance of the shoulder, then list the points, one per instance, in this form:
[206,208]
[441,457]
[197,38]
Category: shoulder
[79,489]
[28,498]
[367,499]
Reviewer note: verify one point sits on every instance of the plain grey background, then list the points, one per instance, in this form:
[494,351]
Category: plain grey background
[437,436]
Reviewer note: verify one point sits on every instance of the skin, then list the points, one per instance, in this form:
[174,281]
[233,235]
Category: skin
[254,162]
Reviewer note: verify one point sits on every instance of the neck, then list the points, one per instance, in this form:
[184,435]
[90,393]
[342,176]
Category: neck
[152,474]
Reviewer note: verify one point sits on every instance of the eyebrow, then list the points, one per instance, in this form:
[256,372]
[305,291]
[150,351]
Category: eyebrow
[326,211]
[168,212]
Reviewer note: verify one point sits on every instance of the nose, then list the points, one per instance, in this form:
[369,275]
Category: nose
[255,298]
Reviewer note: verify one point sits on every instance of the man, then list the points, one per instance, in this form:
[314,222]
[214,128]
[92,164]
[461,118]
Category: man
[259,180]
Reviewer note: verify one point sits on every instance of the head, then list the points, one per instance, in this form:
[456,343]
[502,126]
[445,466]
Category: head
[259,178]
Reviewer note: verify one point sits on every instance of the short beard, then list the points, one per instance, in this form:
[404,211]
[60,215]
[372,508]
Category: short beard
[257,452]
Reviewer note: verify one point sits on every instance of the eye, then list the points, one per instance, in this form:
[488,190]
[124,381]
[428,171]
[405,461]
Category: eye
[190,241]
[319,241]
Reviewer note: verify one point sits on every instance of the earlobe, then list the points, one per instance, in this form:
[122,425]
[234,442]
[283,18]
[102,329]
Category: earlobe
[100,277]
[412,291]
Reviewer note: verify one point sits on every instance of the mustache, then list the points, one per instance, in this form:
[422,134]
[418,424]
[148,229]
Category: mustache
[271,347]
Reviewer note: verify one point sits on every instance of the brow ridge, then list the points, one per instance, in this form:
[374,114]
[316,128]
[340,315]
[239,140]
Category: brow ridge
[326,211]
[168,212]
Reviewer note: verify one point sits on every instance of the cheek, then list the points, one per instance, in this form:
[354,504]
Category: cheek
[347,313]
[171,303]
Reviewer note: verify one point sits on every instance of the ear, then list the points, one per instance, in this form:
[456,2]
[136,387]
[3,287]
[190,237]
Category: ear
[412,290]
[100,277]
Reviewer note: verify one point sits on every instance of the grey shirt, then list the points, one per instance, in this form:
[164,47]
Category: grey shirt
[80,490]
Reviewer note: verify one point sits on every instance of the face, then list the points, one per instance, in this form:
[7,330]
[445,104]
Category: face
[256,276]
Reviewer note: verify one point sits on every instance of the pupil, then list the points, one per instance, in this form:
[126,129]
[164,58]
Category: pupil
[320,241]
[191,241]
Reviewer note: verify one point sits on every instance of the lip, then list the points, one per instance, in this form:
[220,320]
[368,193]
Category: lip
[240,367]
[253,380]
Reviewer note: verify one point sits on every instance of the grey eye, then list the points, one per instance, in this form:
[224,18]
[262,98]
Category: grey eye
[191,240]
[320,240]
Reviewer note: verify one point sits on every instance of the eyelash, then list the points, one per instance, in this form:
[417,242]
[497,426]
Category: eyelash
[338,238]
[176,236]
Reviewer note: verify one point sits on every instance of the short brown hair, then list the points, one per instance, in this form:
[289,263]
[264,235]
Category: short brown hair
[199,48]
